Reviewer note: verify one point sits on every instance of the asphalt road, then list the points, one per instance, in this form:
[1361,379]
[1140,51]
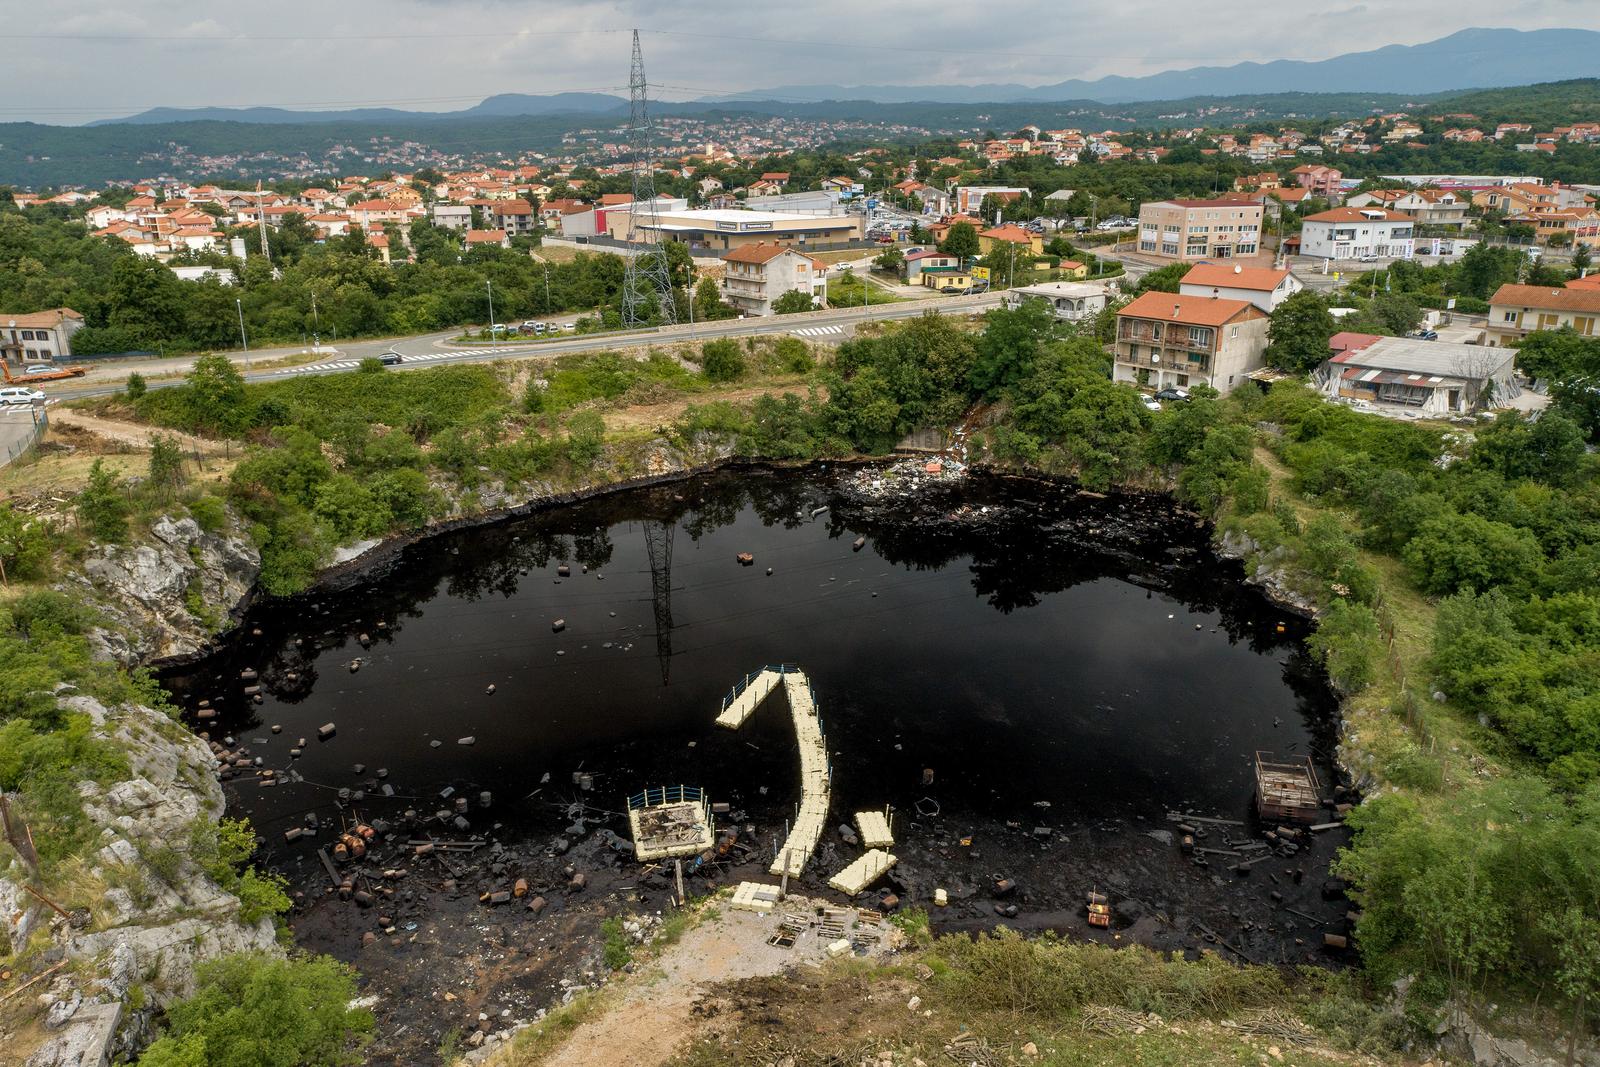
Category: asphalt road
[16,424]
[434,350]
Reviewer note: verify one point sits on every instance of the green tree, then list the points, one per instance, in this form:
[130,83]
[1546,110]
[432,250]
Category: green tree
[102,508]
[795,300]
[890,259]
[1298,332]
[708,303]
[136,386]
[256,1011]
[216,395]
[1163,279]
[722,360]
[1009,346]
[961,241]
[166,463]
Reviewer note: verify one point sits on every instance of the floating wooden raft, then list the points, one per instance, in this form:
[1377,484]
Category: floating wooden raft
[871,866]
[742,703]
[755,896]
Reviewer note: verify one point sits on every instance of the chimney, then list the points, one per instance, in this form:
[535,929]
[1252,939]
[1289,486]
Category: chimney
[1176,310]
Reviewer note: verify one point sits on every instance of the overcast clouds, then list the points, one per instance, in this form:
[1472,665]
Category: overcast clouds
[440,55]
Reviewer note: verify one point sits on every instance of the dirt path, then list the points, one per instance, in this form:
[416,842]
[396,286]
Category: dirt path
[650,416]
[129,433]
[655,1016]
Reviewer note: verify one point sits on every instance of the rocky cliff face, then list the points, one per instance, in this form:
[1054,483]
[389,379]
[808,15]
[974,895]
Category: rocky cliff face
[165,598]
[148,922]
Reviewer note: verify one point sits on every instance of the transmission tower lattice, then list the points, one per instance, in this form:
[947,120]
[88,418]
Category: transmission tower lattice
[658,543]
[646,285]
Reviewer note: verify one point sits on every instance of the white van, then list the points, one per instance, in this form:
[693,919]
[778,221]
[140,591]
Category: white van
[20,394]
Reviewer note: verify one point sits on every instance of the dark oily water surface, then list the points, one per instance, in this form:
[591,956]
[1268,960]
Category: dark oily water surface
[1054,659]
[1044,649]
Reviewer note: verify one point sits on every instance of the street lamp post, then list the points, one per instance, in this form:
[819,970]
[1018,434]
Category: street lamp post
[244,341]
[493,338]
[316,325]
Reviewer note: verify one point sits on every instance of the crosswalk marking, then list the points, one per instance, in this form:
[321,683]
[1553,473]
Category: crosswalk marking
[817,331]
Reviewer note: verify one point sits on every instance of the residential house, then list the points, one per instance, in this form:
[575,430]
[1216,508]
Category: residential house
[1264,287]
[1575,226]
[949,279]
[452,216]
[513,216]
[1517,310]
[1166,339]
[1200,229]
[370,215]
[38,335]
[1069,301]
[1433,207]
[1435,378]
[1351,232]
[754,276]
[916,262]
[488,239]
[969,198]
[1010,234]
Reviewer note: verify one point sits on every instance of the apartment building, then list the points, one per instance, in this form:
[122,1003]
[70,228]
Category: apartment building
[1264,287]
[1201,229]
[39,335]
[755,276]
[1517,310]
[513,216]
[1175,340]
[1354,232]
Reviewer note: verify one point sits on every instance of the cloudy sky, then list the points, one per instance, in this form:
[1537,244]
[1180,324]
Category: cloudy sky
[72,61]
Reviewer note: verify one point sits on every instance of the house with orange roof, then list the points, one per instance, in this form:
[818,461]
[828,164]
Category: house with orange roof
[1517,310]
[1010,234]
[488,239]
[38,335]
[755,276]
[1265,287]
[1353,232]
[1168,339]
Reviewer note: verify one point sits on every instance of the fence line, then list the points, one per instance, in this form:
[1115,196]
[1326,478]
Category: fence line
[21,447]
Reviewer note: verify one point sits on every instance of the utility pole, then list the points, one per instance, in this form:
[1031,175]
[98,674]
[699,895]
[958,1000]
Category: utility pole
[243,340]
[261,222]
[316,324]
[494,341]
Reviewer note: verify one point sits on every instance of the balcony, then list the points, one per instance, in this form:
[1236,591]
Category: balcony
[1167,359]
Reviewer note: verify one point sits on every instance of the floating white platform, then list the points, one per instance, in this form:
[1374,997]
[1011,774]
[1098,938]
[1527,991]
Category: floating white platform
[745,700]
[874,827]
[863,872]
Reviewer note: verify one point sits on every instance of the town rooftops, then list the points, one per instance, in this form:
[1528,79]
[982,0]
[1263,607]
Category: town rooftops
[927,253]
[483,237]
[39,319]
[1348,341]
[1590,283]
[1538,296]
[613,199]
[1359,214]
[1223,276]
[1010,232]
[764,252]
[1060,289]
[1190,310]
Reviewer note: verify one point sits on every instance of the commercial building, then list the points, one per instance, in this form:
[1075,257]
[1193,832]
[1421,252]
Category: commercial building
[720,230]
[1069,301]
[755,276]
[1517,310]
[1200,229]
[1433,378]
[38,335]
[1354,232]
[1175,340]
[1264,287]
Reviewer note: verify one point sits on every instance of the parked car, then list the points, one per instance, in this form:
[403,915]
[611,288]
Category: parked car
[1150,402]
[20,394]
[1428,335]
[950,290]
[390,358]
[1172,392]
[1367,257]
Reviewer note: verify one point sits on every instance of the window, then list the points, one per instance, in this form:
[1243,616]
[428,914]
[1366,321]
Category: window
[44,353]
[27,335]
[1511,316]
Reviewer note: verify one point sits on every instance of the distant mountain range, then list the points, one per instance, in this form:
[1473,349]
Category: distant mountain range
[501,106]
[1470,59]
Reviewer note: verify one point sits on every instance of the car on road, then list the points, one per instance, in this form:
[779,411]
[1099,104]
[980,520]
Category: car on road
[1150,402]
[1172,392]
[20,394]
[390,358]
[1427,335]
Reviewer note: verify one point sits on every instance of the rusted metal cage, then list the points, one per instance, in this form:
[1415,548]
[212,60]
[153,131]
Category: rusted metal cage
[1287,790]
